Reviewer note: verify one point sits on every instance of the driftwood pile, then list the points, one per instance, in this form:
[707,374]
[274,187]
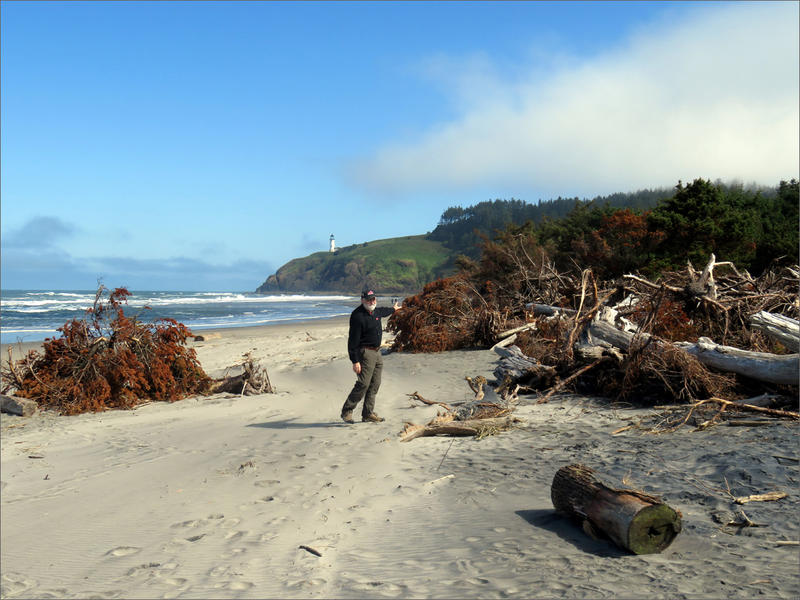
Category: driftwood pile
[650,343]
[252,380]
[486,414]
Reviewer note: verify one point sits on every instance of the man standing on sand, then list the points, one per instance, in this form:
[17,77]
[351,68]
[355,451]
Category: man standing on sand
[363,346]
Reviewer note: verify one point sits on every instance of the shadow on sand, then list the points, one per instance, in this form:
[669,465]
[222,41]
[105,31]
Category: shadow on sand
[568,531]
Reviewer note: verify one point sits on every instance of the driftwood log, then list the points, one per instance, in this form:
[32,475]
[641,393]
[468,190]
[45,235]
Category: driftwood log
[516,366]
[473,427]
[633,520]
[547,310]
[781,369]
[253,379]
[486,414]
[22,407]
[778,327]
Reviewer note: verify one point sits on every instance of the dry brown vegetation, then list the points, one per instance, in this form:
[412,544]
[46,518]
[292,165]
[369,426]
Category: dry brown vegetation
[108,360]
[515,285]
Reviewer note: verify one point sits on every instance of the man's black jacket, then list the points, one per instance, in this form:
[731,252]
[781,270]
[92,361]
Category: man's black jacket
[365,330]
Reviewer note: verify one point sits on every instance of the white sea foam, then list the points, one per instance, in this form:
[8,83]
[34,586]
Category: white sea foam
[35,314]
[71,301]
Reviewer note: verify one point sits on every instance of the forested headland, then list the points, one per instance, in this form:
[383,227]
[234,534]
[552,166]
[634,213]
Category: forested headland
[650,230]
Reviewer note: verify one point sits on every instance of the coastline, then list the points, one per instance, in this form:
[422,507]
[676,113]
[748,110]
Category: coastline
[267,330]
[220,496]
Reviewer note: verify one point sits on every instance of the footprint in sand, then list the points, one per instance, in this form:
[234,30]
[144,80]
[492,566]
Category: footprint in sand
[382,588]
[14,584]
[174,545]
[233,552]
[191,523]
[266,482]
[238,585]
[232,522]
[305,583]
[143,568]
[56,594]
[219,571]
[123,551]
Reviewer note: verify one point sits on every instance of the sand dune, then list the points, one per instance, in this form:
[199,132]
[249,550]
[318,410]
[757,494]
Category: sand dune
[214,497]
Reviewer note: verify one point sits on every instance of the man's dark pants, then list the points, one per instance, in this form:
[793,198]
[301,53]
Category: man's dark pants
[368,382]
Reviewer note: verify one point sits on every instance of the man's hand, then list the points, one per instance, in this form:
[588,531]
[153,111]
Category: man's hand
[397,306]
[357,368]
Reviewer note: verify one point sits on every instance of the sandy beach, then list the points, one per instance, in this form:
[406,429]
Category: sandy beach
[216,497]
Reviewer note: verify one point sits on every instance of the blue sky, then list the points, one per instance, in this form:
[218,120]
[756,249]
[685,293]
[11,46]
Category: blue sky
[200,146]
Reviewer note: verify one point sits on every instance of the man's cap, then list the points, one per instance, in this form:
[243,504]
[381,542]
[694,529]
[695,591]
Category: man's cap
[367,294]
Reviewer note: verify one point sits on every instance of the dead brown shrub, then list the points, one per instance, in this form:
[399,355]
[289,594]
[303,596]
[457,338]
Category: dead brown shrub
[108,360]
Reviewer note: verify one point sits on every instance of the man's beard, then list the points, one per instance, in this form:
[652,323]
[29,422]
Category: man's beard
[370,306]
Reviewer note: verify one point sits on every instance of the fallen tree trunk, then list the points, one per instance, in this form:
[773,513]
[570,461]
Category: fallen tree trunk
[633,520]
[474,427]
[603,331]
[778,327]
[781,369]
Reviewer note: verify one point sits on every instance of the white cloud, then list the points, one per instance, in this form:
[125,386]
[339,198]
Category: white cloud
[714,95]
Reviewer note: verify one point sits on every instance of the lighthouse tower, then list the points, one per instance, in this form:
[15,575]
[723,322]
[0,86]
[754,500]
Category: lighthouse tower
[333,244]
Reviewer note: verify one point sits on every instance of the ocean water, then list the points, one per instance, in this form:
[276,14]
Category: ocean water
[33,315]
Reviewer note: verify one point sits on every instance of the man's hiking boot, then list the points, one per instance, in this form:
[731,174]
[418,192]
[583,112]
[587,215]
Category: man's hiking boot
[372,418]
[347,417]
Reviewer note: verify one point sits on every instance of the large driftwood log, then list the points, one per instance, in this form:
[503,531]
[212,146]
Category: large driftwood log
[516,366]
[778,327]
[633,520]
[761,366]
[603,331]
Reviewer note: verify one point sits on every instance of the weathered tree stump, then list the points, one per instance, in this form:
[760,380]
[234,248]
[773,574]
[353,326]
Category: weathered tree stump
[253,379]
[633,520]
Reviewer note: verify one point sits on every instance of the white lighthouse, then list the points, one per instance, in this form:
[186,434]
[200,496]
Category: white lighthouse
[333,244]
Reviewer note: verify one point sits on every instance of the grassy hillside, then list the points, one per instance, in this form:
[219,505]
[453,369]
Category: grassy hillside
[391,265]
